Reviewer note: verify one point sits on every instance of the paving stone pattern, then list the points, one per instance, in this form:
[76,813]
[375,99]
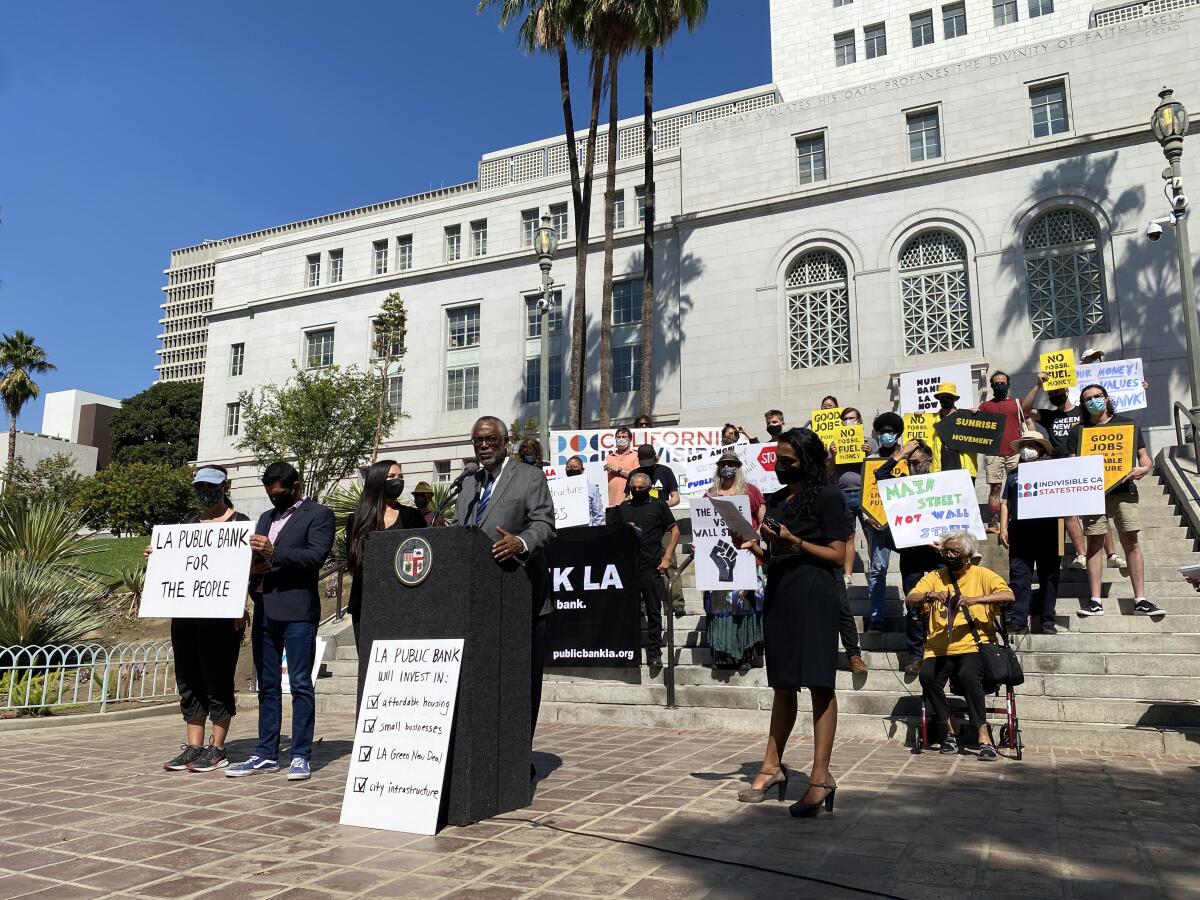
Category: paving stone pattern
[88,812]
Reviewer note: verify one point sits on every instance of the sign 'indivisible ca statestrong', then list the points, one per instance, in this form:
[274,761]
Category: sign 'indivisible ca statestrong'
[198,571]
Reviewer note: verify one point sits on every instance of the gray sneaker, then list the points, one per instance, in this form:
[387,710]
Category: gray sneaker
[187,755]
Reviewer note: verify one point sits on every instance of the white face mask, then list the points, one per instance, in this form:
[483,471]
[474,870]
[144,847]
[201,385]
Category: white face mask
[622,443]
[1029,454]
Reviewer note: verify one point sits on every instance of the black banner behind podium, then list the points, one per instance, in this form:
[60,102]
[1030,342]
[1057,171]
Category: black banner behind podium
[464,594]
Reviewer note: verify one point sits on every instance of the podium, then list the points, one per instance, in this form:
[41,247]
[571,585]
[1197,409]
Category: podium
[464,594]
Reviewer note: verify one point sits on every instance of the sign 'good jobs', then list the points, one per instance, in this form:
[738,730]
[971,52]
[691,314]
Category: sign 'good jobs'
[198,571]
[922,509]
[398,768]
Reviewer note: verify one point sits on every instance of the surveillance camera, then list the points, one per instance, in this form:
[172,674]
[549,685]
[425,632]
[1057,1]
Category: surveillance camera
[1153,231]
[1179,202]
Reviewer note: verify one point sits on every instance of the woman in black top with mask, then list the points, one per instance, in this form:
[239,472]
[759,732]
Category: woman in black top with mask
[806,529]
[378,509]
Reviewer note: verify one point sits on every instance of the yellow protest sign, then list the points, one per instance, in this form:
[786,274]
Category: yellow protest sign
[1060,366]
[825,422]
[1115,444]
[919,426]
[872,503]
[847,444]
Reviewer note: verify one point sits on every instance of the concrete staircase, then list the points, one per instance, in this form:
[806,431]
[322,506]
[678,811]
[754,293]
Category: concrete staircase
[1117,682]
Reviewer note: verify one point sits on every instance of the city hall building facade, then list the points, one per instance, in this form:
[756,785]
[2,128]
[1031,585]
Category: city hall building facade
[920,184]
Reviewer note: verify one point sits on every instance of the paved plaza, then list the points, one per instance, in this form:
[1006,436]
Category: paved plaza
[88,812]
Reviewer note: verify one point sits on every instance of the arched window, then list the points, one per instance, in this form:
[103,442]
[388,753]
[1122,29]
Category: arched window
[818,311]
[1065,276]
[935,296]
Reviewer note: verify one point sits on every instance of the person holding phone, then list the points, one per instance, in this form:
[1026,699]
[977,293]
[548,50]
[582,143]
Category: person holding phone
[206,650]
[805,527]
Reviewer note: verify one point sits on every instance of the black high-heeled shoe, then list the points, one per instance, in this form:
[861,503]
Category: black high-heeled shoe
[809,810]
[753,795]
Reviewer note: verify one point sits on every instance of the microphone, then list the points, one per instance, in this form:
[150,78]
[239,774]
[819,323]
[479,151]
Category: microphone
[468,470]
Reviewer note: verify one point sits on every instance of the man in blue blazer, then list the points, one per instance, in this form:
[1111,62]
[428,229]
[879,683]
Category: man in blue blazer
[290,543]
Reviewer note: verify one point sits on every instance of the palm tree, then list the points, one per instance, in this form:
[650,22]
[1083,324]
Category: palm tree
[656,22]
[548,25]
[20,359]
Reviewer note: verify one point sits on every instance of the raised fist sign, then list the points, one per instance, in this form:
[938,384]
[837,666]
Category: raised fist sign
[724,555]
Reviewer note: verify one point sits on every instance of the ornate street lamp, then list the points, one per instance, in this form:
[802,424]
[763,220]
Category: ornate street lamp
[545,245]
[1169,124]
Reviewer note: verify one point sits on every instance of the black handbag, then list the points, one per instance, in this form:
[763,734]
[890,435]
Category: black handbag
[999,662]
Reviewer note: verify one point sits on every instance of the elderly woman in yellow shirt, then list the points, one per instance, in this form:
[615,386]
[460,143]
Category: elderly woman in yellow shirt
[950,594]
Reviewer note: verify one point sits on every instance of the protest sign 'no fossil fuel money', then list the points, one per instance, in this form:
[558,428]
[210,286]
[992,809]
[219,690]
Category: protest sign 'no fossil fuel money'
[198,571]
[923,508]
[1059,365]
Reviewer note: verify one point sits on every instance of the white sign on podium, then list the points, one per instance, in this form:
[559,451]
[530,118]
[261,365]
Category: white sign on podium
[398,768]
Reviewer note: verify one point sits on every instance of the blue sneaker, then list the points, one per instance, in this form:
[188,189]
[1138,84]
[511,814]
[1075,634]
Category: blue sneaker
[299,770]
[253,766]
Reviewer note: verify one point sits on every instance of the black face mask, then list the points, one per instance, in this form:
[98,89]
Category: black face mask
[1057,399]
[572,472]
[787,473]
[282,501]
[393,488]
[955,563]
[639,495]
[774,430]
[946,403]
[1000,391]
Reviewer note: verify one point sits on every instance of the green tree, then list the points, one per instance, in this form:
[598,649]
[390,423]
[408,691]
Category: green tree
[52,479]
[20,359]
[656,22]
[324,421]
[159,425]
[548,25]
[131,498]
[387,349]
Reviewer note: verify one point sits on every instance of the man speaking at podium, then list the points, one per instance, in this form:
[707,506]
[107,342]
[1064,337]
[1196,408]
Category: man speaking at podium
[509,502]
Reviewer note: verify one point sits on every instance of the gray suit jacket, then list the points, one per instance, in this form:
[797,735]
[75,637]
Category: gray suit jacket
[520,504]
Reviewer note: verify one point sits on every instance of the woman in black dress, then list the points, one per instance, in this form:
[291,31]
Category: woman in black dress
[806,530]
[378,510]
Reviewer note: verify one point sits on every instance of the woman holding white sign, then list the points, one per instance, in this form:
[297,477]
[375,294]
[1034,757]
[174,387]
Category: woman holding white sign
[805,526]
[206,650]
[734,618]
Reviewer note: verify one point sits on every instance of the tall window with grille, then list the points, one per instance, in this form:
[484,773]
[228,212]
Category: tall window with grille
[922,28]
[404,252]
[1004,12]
[453,243]
[1040,8]
[395,393]
[335,266]
[559,221]
[233,419]
[875,40]
[810,153]
[618,209]
[395,344]
[533,378]
[529,227]
[1048,102]
[954,20]
[380,252]
[935,295]
[237,359]
[627,302]
[818,311]
[1064,274]
[463,326]
[313,270]
[462,388]
[533,319]
[319,348]
[843,48]
[479,238]
[924,135]
[626,369]
[639,197]
[533,347]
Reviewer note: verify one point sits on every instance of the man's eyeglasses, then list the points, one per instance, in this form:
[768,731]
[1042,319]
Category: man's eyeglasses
[490,440]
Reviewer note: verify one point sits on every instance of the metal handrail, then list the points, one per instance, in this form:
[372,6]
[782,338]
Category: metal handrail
[1178,408]
[48,676]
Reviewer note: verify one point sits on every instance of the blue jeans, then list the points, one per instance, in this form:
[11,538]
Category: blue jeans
[1023,562]
[269,639]
[881,557]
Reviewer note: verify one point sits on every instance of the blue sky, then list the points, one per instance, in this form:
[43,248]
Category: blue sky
[135,127]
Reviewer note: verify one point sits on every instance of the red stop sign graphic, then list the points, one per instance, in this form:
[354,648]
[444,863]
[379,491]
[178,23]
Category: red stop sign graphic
[766,458]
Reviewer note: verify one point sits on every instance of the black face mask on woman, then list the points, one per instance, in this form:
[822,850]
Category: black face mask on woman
[393,488]
[954,563]
[788,472]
